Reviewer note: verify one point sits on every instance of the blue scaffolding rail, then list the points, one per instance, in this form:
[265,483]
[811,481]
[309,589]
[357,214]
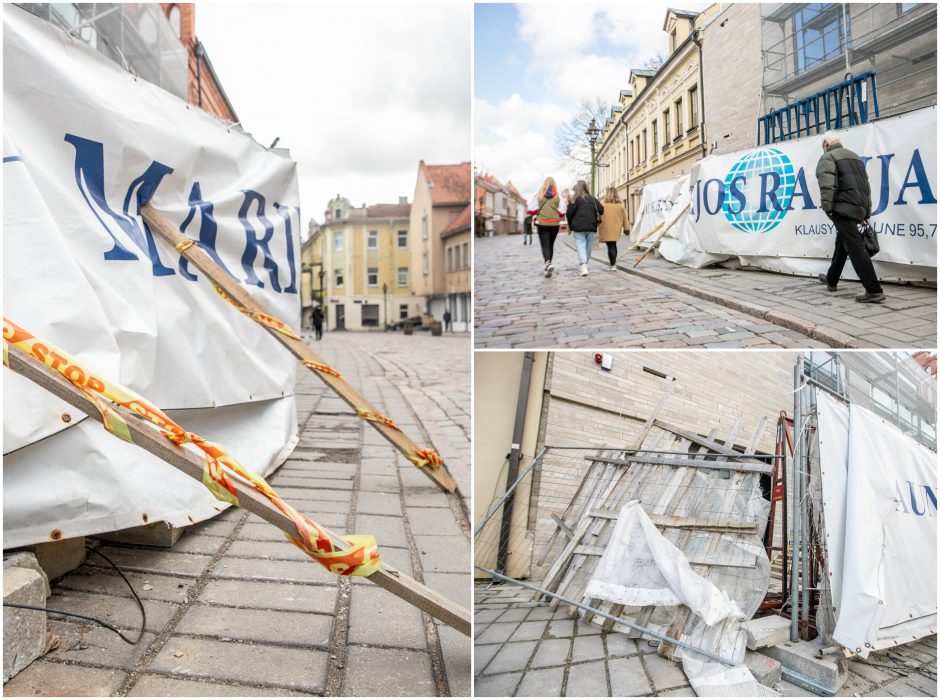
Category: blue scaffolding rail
[848,103]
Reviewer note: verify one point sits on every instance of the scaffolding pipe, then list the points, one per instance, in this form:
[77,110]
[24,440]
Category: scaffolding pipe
[804,507]
[797,439]
[509,491]
[612,618]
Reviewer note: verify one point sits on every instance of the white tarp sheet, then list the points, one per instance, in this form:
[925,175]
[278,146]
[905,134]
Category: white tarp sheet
[761,207]
[85,143]
[640,567]
[880,505]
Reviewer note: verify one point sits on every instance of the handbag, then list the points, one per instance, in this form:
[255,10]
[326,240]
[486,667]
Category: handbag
[870,239]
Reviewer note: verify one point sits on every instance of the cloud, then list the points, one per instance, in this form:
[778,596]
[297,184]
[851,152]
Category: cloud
[359,94]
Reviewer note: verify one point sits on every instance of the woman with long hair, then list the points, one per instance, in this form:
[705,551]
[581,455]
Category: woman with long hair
[613,225]
[584,214]
[547,209]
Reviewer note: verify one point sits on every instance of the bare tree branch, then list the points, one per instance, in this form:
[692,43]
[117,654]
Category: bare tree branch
[571,141]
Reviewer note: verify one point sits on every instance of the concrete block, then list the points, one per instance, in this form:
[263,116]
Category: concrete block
[766,631]
[24,631]
[803,657]
[159,534]
[766,671]
[59,558]
[26,560]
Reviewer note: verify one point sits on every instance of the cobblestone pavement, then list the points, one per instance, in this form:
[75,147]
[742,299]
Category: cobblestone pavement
[664,305]
[234,609]
[522,648]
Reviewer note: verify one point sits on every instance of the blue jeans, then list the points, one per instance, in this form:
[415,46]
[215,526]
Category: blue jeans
[583,240]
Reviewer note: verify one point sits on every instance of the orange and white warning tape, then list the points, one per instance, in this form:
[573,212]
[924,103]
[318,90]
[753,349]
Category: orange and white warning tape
[361,558]
[264,319]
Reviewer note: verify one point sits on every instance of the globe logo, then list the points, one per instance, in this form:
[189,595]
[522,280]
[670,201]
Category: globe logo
[752,173]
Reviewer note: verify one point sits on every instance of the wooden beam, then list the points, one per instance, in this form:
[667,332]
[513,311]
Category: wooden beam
[149,438]
[684,523]
[298,348]
[696,463]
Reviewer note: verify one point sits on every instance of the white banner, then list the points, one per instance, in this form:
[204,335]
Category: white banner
[762,206]
[880,505]
[85,144]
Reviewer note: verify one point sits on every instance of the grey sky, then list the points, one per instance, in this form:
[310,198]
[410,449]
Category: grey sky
[358,93]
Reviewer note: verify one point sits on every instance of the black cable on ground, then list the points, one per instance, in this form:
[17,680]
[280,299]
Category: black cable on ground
[102,623]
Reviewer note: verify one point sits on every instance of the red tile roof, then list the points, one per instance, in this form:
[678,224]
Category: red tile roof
[450,184]
[388,211]
[927,361]
[458,225]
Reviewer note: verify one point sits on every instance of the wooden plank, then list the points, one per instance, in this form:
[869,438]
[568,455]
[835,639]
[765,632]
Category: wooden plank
[697,463]
[148,437]
[569,533]
[659,238]
[298,348]
[680,522]
[708,559]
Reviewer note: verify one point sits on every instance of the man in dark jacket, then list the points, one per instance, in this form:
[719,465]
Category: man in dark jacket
[846,199]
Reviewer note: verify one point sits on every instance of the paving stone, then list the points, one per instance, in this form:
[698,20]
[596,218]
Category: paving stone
[529,630]
[872,673]
[620,645]
[276,550]
[456,650]
[148,586]
[587,680]
[271,596]
[545,682]
[158,561]
[150,685]
[45,678]
[628,677]
[496,686]
[120,612]
[378,503]
[514,614]
[274,626]
[482,654]
[377,617]
[514,656]
[433,521]
[552,652]
[587,648]
[665,674]
[197,544]
[274,570]
[387,672]
[686,692]
[561,628]
[389,531]
[300,669]
[454,586]
[380,483]
[496,633]
[87,643]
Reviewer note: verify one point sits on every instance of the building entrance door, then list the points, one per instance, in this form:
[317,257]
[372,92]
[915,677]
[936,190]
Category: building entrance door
[340,317]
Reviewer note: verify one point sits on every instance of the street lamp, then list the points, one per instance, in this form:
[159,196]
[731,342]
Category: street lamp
[322,299]
[593,134]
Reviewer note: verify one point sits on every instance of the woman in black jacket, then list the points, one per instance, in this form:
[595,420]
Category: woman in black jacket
[584,214]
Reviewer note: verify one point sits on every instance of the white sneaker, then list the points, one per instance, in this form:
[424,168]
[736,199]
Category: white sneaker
[584,270]
[549,269]
[613,267]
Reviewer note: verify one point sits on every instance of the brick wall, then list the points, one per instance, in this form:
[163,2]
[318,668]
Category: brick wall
[585,405]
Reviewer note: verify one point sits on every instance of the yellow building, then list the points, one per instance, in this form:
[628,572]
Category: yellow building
[364,254]
[440,256]
[657,134]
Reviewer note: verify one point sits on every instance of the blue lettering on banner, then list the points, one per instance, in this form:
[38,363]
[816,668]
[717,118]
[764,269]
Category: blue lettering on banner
[89,178]
[916,499]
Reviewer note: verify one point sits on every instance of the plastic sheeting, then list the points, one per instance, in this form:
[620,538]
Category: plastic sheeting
[879,500]
[85,143]
[640,567]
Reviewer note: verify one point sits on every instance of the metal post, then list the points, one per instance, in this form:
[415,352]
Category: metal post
[509,491]
[794,566]
[804,508]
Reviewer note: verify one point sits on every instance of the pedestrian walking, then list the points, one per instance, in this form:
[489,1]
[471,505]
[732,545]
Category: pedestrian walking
[584,215]
[318,322]
[527,230]
[547,209]
[447,318]
[613,224]
[846,200]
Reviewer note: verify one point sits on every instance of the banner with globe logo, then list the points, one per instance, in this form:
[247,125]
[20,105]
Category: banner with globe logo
[762,205]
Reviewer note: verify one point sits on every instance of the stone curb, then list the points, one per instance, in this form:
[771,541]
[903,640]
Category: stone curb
[824,334]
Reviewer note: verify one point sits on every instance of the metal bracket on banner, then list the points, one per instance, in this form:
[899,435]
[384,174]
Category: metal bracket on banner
[427,460]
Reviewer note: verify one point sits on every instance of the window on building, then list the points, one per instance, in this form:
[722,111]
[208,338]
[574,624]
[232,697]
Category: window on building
[817,34]
[338,214]
[338,240]
[666,129]
[370,315]
[693,107]
[643,141]
[655,131]
[402,276]
[679,118]
[338,278]
[372,240]
[424,228]
[402,239]
[175,20]
[450,259]
[372,277]
[424,264]
[632,155]
[402,311]
[907,7]
[466,254]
